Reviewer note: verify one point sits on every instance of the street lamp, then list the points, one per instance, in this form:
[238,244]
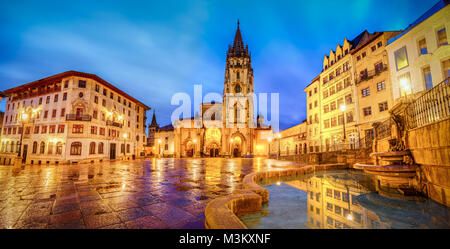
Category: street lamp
[279,140]
[159,147]
[24,119]
[124,138]
[343,108]
[269,139]
[231,143]
[195,145]
[405,85]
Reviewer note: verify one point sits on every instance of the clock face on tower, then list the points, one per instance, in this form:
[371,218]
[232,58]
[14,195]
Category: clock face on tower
[237,88]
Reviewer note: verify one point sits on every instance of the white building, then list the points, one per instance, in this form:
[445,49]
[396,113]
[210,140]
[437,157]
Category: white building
[71,117]
[419,57]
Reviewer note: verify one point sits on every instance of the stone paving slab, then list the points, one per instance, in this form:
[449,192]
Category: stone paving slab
[140,194]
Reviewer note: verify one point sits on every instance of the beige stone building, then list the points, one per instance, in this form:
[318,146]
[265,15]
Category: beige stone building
[289,142]
[313,98]
[420,55]
[71,117]
[373,85]
[220,129]
[349,99]
[338,89]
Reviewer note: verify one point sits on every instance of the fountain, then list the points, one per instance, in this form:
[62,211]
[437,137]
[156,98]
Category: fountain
[394,168]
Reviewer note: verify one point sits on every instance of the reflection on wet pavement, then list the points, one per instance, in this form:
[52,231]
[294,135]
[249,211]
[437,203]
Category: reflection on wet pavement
[154,193]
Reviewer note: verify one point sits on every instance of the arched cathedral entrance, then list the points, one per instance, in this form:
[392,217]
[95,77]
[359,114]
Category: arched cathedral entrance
[213,138]
[237,145]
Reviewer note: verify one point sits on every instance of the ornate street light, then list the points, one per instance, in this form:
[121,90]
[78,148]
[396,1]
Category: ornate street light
[195,145]
[269,140]
[343,108]
[124,145]
[24,119]
[159,147]
[231,143]
[279,141]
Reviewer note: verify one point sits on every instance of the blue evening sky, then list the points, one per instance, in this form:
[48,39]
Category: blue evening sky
[153,49]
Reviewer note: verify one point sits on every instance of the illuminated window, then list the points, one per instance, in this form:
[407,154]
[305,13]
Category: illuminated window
[401,58]
[446,68]
[92,148]
[42,148]
[405,84]
[381,86]
[75,148]
[367,111]
[442,37]
[100,148]
[427,77]
[365,92]
[423,46]
[59,148]
[383,106]
[82,84]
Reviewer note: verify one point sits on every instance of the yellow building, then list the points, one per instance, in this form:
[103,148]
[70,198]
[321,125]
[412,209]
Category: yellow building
[332,204]
[337,89]
[292,141]
[373,85]
[313,101]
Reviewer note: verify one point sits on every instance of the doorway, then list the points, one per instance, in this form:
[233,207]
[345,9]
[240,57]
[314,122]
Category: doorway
[213,152]
[236,152]
[112,151]
[25,151]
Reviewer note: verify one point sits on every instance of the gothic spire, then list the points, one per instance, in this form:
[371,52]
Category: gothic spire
[154,123]
[238,49]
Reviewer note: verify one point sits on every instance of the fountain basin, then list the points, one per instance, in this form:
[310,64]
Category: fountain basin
[392,176]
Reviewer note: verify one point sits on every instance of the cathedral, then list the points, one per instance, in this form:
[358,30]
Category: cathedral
[224,129]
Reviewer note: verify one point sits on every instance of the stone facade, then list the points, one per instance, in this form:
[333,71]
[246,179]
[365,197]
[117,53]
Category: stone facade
[72,117]
[420,56]
[220,129]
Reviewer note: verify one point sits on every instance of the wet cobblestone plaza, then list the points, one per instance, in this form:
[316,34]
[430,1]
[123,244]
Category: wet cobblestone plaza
[154,193]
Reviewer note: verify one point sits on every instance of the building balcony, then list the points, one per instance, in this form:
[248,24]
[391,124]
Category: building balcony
[112,123]
[370,74]
[78,117]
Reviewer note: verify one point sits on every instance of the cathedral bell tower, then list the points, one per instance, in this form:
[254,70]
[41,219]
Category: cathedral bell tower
[238,86]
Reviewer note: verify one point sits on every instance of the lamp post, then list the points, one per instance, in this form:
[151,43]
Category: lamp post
[231,143]
[269,140]
[195,145]
[343,107]
[279,141]
[124,144]
[24,119]
[159,147]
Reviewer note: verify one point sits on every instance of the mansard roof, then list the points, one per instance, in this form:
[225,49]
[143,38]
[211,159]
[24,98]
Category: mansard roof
[58,77]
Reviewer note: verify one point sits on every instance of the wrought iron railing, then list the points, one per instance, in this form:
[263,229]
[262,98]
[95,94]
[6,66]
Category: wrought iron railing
[384,129]
[370,73]
[112,123]
[432,106]
[78,117]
